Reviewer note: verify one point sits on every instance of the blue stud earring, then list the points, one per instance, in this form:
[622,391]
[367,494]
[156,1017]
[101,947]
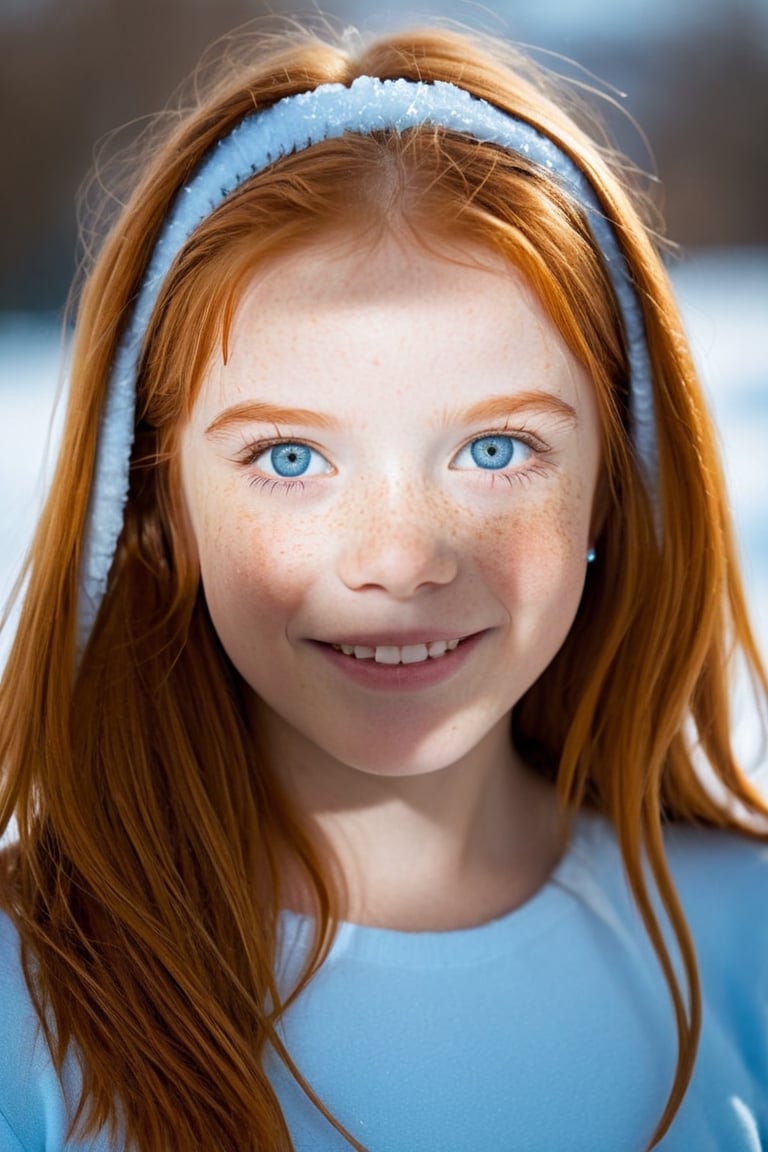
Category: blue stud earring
[591,555]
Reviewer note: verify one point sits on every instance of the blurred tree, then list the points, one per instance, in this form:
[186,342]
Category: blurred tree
[709,127]
[70,72]
[73,70]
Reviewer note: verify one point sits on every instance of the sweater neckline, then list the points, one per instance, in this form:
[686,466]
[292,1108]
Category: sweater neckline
[396,947]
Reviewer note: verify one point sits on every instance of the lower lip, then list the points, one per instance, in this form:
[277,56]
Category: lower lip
[402,677]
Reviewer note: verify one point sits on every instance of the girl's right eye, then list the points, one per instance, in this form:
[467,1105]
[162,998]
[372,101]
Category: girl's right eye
[289,460]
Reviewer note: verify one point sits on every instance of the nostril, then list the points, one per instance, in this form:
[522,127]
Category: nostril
[400,567]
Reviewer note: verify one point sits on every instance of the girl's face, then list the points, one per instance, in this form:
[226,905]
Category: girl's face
[390,486]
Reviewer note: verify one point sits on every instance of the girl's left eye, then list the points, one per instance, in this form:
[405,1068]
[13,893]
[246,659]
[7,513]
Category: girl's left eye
[290,460]
[493,452]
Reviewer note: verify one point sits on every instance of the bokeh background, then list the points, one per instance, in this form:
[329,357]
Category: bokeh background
[681,84]
[692,73]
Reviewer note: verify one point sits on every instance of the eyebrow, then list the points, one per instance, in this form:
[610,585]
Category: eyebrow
[496,406]
[258,412]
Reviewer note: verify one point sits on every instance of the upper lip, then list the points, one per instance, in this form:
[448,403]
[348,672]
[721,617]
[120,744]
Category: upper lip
[397,639]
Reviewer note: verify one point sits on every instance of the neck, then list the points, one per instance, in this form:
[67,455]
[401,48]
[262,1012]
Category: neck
[446,849]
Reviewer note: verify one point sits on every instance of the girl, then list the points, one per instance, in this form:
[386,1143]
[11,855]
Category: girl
[377,627]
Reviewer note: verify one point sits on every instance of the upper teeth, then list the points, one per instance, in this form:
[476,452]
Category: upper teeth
[392,654]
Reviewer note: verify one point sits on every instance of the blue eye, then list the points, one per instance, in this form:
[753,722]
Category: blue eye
[291,460]
[493,452]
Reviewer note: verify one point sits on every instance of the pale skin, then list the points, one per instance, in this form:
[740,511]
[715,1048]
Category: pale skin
[410,377]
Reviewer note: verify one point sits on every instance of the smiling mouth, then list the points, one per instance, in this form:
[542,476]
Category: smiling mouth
[392,654]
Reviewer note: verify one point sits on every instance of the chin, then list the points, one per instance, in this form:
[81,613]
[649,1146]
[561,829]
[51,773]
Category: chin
[400,758]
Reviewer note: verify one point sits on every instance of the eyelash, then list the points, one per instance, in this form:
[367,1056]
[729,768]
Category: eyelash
[284,485]
[518,475]
[281,484]
[275,484]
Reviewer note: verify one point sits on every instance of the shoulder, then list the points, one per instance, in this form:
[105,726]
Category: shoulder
[31,1104]
[721,877]
[718,873]
[17,1016]
[722,880]
[705,863]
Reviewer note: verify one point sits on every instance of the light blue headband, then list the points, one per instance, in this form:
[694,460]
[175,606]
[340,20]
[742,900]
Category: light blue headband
[291,125]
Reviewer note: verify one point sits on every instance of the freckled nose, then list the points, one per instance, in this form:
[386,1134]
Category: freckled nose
[396,544]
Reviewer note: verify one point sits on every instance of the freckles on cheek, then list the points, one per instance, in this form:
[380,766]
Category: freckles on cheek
[535,551]
[253,564]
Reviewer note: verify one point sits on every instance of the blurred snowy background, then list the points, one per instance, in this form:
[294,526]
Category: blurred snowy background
[682,87]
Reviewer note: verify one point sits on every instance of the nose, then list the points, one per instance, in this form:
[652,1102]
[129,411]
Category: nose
[397,540]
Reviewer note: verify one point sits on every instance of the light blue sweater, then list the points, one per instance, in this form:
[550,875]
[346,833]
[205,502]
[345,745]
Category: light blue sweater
[549,1030]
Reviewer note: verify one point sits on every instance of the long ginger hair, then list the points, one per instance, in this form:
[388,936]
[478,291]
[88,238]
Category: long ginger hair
[147,875]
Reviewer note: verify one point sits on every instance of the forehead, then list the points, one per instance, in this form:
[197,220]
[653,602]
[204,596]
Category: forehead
[348,310]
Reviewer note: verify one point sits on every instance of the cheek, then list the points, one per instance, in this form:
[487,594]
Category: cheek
[251,568]
[534,559]
[543,537]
